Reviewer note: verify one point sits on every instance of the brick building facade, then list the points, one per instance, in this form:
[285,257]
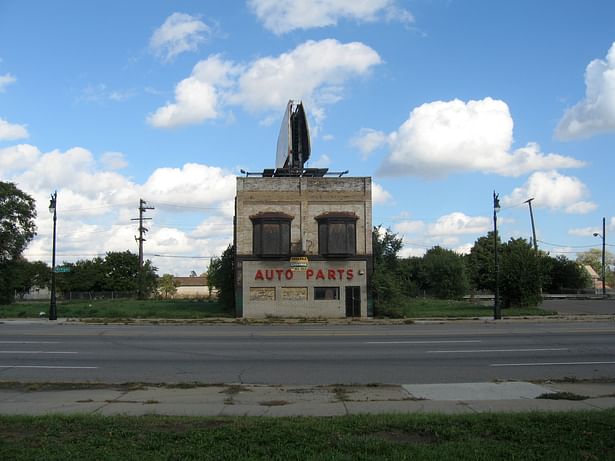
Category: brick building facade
[303,246]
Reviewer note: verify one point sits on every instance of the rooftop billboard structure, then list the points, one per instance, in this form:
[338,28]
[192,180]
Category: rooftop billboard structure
[294,139]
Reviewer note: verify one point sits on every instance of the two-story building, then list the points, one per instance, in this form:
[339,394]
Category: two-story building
[303,236]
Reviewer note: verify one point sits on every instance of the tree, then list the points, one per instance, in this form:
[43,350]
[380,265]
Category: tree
[481,263]
[121,270]
[221,274]
[519,274]
[167,284]
[386,286]
[561,275]
[17,229]
[26,275]
[444,274]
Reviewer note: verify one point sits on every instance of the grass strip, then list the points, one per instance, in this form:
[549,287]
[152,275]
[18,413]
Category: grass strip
[120,309]
[526,436]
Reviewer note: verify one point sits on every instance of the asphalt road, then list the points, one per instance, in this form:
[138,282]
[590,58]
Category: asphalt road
[306,354]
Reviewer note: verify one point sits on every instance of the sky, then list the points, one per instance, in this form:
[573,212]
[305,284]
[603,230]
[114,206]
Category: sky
[441,102]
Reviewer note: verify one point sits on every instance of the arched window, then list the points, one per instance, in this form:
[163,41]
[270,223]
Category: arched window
[337,234]
[271,234]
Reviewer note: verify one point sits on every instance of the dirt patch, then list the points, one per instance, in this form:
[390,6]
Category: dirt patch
[274,403]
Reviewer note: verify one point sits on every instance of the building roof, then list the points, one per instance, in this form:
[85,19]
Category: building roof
[192,281]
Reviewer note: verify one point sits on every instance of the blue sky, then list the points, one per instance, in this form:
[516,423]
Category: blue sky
[441,102]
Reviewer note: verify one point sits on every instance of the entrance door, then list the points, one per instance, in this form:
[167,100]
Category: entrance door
[353,301]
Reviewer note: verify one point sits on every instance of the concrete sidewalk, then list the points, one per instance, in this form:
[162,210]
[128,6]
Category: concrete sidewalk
[257,400]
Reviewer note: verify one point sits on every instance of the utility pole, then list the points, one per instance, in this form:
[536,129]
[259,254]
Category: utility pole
[497,313]
[529,202]
[140,239]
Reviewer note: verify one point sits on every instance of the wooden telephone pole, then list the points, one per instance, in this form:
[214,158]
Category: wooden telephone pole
[140,239]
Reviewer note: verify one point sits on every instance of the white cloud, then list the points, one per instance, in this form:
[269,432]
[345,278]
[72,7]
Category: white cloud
[380,196]
[96,207]
[596,112]
[584,231]
[6,80]
[11,132]
[315,72]
[444,137]
[196,97]
[409,227]
[114,160]
[179,33]
[18,157]
[458,223]
[192,185]
[322,162]
[282,16]
[101,93]
[553,190]
[368,140]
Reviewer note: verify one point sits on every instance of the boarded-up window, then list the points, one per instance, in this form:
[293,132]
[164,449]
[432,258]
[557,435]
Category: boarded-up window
[337,234]
[271,234]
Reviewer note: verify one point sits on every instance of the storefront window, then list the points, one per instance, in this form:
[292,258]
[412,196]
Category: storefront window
[326,293]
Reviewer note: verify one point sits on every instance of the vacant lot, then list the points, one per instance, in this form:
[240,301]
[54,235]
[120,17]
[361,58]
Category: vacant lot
[119,309]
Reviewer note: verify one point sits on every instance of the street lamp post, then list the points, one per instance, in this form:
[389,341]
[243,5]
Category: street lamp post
[53,312]
[497,314]
[603,237]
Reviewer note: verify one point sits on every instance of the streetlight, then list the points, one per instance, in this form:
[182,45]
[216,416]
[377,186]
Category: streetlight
[53,312]
[603,237]
[497,314]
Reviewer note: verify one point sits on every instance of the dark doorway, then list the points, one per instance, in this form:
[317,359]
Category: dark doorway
[353,301]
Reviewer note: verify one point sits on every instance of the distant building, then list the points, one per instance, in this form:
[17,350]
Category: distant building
[191,287]
[303,236]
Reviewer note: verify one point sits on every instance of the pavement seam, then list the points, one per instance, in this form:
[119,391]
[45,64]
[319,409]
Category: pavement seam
[106,403]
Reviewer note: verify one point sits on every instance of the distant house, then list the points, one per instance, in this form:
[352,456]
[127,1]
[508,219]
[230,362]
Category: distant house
[595,278]
[191,287]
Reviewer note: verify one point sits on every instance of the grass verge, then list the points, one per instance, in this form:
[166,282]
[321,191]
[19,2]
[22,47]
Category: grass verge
[527,436]
[120,308]
[427,307]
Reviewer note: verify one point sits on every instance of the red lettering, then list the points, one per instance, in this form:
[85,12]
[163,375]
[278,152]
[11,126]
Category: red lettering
[269,274]
[341,272]
[320,275]
[279,272]
[289,274]
[259,275]
[349,274]
[331,274]
[309,273]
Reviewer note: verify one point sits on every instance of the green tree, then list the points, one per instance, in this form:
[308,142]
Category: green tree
[26,275]
[519,274]
[167,285]
[444,274]
[561,275]
[386,280]
[121,270]
[17,229]
[221,274]
[481,263]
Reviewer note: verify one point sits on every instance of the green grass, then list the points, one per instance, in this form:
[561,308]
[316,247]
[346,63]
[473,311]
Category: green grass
[525,436]
[119,309]
[427,307]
